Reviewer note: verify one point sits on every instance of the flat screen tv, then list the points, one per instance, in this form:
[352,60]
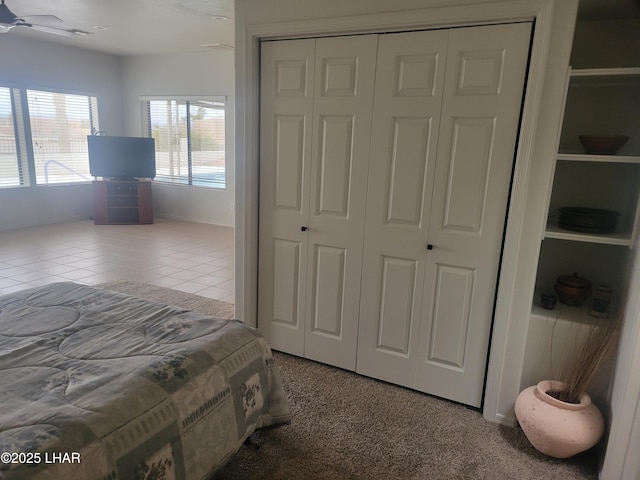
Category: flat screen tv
[123,158]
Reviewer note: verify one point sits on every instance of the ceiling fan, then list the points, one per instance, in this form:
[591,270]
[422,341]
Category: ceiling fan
[43,23]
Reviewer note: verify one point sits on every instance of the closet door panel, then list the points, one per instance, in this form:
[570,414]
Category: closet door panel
[450,313]
[396,306]
[335,162]
[467,179]
[482,100]
[328,290]
[285,158]
[344,82]
[286,282]
[289,148]
[406,190]
[409,83]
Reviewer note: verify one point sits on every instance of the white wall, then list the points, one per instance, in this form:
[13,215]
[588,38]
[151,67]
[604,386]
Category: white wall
[622,460]
[207,73]
[36,64]
[607,43]
[118,83]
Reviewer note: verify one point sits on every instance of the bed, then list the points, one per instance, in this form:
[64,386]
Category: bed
[100,385]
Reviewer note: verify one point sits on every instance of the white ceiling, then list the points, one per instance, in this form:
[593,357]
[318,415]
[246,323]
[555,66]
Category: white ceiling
[134,27]
[140,27]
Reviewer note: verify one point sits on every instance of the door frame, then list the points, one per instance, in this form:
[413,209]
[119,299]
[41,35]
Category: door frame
[554,22]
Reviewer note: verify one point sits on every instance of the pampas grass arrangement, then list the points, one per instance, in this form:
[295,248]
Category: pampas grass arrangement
[601,342]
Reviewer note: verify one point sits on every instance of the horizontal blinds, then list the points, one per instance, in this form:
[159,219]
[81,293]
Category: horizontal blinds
[60,123]
[168,127]
[208,143]
[10,164]
[190,140]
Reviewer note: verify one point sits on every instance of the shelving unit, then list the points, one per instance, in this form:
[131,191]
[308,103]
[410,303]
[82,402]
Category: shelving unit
[121,202]
[600,101]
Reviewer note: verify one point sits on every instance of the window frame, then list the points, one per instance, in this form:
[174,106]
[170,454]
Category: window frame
[17,167]
[23,130]
[191,100]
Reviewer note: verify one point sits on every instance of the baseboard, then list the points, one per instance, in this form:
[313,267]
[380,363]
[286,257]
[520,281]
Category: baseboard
[52,221]
[183,218]
[506,420]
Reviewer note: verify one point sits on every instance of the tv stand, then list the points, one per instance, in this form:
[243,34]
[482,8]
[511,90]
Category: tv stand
[122,202]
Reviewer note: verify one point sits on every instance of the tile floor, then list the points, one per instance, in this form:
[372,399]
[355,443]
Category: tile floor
[191,257]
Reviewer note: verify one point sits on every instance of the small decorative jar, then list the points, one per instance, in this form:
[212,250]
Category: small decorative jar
[601,301]
[548,301]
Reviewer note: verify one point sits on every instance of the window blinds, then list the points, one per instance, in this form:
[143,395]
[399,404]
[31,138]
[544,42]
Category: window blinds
[60,123]
[11,171]
[190,141]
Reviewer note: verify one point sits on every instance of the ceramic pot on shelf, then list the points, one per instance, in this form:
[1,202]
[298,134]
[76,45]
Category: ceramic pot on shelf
[556,428]
[572,289]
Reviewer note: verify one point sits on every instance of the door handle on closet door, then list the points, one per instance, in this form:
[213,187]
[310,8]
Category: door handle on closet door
[429,246]
[303,229]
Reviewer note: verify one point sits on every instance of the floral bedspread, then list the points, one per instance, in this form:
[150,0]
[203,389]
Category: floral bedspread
[99,385]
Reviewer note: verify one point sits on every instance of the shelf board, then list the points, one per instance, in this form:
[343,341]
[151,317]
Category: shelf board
[565,312]
[584,157]
[578,314]
[605,76]
[621,239]
[604,72]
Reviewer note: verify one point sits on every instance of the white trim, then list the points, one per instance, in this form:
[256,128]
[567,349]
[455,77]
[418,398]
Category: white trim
[542,112]
[439,17]
[505,420]
[247,173]
[537,144]
[184,98]
[622,460]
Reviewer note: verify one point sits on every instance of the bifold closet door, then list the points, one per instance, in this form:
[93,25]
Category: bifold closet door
[285,157]
[482,102]
[434,237]
[317,100]
[408,99]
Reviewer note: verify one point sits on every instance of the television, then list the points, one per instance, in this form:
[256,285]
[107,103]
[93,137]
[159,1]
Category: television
[122,158]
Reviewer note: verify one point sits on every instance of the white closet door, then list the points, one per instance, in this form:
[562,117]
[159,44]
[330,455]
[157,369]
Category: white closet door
[287,73]
[343,104]
[482,101]
[443,137]
[317,101]
[408,97]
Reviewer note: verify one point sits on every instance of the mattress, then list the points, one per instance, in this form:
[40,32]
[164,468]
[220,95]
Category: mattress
[99,385]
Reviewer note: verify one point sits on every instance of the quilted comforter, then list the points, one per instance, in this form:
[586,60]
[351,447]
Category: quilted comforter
[99,385]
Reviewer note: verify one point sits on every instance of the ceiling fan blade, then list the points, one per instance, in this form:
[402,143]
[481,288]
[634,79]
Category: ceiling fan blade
[47,29]
[43,23]
[50,20]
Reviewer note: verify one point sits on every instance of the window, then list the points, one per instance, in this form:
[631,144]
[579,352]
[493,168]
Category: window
[190,140]
[60,123]
[43,136]
[11,174]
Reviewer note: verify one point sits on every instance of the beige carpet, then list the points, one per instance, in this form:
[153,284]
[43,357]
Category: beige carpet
[166,296]
[346,426]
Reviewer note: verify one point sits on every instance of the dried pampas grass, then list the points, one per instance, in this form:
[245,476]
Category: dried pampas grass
[597,348]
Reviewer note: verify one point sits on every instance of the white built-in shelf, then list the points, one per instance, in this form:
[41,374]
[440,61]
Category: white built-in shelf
[579,314]
[618,238]
[590,77]
[623,84]
[605,72]
[583,157]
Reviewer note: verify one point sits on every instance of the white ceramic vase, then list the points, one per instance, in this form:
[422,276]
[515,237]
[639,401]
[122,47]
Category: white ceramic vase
[556,428]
